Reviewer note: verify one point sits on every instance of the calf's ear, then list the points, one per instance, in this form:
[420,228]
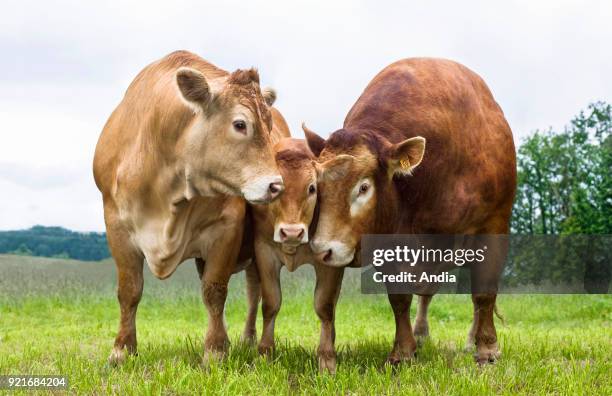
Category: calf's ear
[315,142]
[335,168]
[193,85]
[405,156]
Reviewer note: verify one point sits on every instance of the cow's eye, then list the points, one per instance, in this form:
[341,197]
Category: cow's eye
[312,189]
[240,126]
[364,188]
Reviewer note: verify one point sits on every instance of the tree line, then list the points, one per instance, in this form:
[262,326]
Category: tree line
[564,188]
[565,177]
[55,242]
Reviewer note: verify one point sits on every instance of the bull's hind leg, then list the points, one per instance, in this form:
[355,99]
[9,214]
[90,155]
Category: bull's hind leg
[485,282]
[421,325]
[487,350]
[327,291]
[404,345]
[129,262]
[249,334]
[471,338]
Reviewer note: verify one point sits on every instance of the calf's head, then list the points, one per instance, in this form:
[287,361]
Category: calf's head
[293,212]
[227,148]
[356,191]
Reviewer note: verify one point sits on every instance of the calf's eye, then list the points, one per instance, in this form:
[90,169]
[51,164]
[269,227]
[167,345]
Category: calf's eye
[240,126]
[364,188]
[312,189]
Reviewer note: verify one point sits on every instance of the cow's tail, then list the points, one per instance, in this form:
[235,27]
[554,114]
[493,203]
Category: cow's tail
[499,316]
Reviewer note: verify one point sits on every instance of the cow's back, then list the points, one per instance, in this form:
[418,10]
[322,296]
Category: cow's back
[467,178]
[145,126]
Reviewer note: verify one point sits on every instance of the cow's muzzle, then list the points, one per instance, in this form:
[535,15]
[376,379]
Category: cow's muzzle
[291,234]
[332,253]
[264,189]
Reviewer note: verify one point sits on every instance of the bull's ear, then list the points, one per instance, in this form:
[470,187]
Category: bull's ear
[269,96]
[335,168]
[193,85]
[405,156]
[315,142]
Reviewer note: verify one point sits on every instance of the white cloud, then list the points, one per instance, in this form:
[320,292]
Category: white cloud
[66,65]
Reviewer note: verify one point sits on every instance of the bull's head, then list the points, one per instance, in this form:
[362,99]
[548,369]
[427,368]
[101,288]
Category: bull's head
[227,148]
[356,192]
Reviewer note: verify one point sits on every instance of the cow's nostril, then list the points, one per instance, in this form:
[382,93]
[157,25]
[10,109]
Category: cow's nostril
[328,255]
[300,234]
[275,189]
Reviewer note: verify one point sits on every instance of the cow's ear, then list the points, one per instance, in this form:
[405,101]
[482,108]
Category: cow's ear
[405,156]
[335,168]
[269,95]
[193,85]
[315,142]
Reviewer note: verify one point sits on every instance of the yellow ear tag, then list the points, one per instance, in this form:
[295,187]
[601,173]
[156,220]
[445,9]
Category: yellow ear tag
[405,164]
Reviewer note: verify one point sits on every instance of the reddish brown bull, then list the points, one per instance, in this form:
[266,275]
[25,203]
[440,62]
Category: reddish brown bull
[377,177]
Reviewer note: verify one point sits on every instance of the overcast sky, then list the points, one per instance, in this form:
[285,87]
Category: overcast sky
[65,65]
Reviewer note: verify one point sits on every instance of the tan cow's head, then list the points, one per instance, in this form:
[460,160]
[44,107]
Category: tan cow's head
[356,191]
[227,148]
[293,212]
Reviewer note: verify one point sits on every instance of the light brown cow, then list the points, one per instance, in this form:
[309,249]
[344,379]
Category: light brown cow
[281,239]
[176,158]
[375,178]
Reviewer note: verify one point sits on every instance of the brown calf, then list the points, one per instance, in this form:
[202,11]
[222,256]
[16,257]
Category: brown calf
[281,234]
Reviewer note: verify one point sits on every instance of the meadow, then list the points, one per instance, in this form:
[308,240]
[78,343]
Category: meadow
[60,317]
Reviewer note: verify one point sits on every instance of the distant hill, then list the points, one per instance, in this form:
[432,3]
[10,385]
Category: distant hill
[55,242]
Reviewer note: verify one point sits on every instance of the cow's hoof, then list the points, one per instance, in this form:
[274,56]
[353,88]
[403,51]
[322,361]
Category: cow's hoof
[396,358]
[249,338]
[212,356]
[118,356]
[470,344]
[487,354]
[266,349]
[402,352]
[421,331]
[327,363]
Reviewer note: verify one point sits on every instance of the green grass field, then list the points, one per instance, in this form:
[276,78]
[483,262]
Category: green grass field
[60,317]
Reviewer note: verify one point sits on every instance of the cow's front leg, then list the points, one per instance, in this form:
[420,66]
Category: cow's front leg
[220,262]
[253,287]
[404,345]
[269,272]
[327,291]
[421,324]
[129,264]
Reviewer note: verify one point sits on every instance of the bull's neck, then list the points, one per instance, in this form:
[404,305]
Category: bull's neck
[388,212]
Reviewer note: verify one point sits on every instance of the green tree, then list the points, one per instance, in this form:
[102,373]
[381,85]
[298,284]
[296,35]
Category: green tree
[564,178]
[565,188]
